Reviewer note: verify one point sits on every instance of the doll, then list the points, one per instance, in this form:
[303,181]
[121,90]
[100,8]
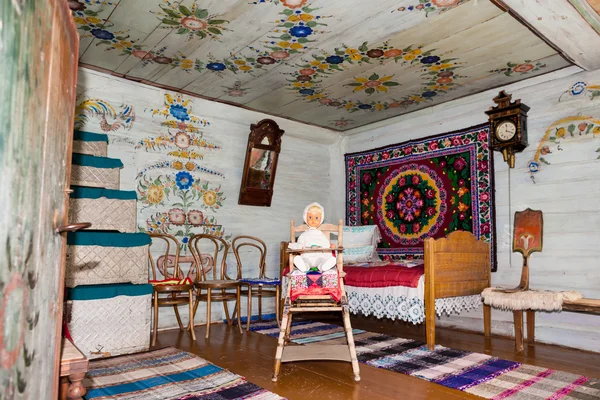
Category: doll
[314,214]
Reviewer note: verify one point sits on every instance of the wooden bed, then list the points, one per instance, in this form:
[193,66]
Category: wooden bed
[457,265]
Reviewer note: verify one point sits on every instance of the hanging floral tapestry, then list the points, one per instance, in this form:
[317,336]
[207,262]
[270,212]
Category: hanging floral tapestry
[423,188]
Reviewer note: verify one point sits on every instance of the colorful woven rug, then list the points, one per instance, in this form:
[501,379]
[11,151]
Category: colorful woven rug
[167,374]
[478,374]
[423,188]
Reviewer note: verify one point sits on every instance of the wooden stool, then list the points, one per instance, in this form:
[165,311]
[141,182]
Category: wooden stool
[73,367]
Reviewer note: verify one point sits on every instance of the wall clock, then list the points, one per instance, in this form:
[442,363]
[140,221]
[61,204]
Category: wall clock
[262,153]
[508,126]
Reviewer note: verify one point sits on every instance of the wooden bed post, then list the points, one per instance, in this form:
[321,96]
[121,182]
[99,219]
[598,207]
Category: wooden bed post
[430,293]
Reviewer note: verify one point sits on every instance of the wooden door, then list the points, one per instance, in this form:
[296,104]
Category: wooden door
[38,60]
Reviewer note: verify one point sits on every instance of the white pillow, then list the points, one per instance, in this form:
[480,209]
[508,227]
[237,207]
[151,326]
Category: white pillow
[365,235]
[358,254]
[361,236]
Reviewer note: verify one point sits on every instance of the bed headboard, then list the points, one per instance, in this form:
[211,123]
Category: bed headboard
[457,265]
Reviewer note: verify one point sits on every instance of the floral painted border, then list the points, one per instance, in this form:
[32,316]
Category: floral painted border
[523,68]
[474,139]
[438,75]
[582,89]
[432,7]
[555,136]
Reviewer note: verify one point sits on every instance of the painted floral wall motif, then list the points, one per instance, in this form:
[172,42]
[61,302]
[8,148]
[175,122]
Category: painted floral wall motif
[186,196]
[523,68]
[110,120]
[557,137]
[580,89]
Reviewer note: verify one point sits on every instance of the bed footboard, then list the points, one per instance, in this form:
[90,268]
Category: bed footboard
[457,265]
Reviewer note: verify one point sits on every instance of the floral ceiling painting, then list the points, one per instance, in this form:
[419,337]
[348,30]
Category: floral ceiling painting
[338,64]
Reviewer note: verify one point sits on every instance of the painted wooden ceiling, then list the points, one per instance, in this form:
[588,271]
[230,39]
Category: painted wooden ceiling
[334,63]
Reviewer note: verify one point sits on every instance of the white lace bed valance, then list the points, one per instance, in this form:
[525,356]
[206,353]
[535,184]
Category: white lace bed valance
[406,306]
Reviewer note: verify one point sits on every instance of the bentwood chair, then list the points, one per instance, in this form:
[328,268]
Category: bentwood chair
[173,290]
[218,286]
[265,287]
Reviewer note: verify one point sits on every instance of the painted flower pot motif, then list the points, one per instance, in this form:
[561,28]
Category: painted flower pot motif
[303,78]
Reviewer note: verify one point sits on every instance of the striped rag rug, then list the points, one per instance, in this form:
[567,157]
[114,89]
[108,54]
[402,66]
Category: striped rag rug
[167,374]
[478,374]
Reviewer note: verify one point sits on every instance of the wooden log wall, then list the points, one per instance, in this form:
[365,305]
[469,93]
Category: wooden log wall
[564,139]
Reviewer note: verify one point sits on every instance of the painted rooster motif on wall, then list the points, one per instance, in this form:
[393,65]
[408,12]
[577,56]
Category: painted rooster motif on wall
[102,110]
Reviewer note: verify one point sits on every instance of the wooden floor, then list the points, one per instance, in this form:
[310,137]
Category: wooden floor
[251,355]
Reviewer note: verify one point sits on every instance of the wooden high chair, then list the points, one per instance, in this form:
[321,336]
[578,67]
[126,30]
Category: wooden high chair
[316,303]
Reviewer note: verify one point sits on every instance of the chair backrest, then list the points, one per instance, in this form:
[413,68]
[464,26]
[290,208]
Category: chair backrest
[221,247]
[253,242]
[165,263]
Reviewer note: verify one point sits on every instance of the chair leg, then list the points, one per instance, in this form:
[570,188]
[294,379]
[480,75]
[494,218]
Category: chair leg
[191,324]
[487,321]
[175,307]
[227,317]
[351,347]
[281,343]
[208,301]
[238,300]
[155,327]
[196,302]
[288,327]
[260,303]
[249,308]
[518,320]
[277,304]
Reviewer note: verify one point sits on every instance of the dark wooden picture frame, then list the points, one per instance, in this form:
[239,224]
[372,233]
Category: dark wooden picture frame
[260,167]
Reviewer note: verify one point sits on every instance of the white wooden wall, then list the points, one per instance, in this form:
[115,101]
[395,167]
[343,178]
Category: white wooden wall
[566,191]
[311,169]
[303,173]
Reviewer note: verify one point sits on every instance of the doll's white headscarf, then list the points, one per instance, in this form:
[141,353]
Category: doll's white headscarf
[309,207]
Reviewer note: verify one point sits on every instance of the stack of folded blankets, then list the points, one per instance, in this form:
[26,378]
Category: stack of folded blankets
[108,294]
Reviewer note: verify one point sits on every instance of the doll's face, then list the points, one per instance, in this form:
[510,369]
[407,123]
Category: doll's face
[314,218]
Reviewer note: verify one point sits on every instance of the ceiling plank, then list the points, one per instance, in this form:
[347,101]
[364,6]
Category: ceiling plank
[561,24]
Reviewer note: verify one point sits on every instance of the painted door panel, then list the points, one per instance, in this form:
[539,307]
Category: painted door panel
[38,60]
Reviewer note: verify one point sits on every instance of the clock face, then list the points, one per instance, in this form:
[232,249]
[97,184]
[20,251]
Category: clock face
[506,130]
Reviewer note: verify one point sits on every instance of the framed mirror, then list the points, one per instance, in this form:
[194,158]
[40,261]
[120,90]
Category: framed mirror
[260,167]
